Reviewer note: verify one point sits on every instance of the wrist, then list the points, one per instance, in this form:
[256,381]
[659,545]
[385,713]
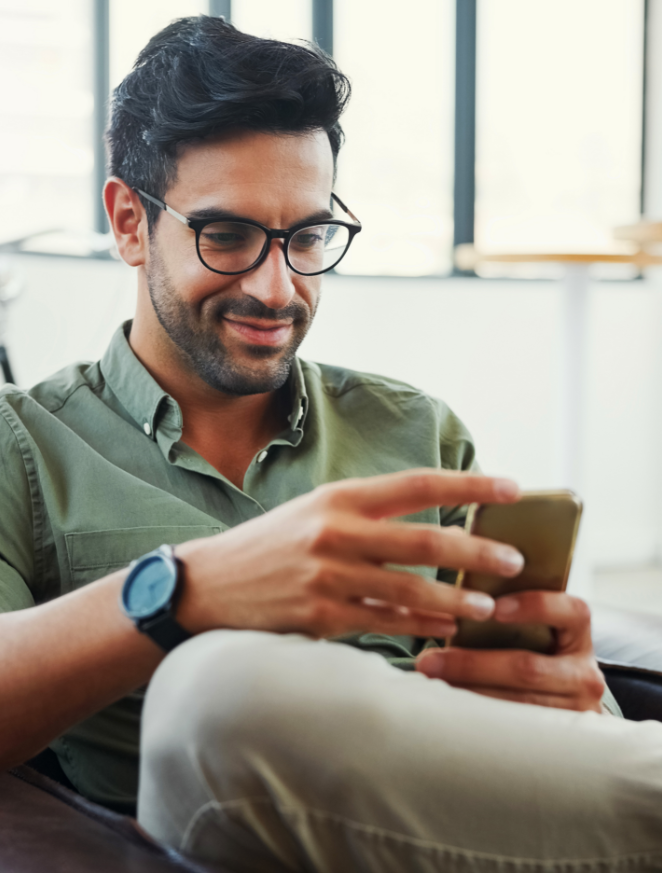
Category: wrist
[193,612]
[150,596]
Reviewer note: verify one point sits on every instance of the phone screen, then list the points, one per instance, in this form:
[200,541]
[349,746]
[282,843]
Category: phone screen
[543,526]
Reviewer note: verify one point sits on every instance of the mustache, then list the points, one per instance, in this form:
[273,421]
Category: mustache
[249,307]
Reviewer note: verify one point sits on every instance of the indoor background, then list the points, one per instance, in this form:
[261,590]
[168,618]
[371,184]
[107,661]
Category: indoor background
[516,126]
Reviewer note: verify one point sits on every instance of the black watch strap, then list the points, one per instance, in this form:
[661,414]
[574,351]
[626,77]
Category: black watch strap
[164,630]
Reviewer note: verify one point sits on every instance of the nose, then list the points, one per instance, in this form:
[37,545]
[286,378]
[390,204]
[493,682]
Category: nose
[271,282]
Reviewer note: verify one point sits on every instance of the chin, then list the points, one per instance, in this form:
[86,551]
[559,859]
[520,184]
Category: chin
[243,381]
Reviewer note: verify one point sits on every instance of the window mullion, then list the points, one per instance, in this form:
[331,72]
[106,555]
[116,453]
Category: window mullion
[101,77]
[323,24]
[464,189]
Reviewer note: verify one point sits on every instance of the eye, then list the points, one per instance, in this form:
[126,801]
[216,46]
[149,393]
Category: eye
[307,239]
[224,238]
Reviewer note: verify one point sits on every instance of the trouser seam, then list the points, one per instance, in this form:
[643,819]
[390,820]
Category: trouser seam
[377,832]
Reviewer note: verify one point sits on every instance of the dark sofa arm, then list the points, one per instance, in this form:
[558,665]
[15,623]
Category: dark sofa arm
[638,692]
[628,646]
[45,827]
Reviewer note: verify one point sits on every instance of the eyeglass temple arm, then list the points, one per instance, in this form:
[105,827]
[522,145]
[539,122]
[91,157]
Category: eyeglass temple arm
[344,208]
[162,205]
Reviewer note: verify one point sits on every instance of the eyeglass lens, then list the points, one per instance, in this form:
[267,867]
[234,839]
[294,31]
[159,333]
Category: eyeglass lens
[232,247]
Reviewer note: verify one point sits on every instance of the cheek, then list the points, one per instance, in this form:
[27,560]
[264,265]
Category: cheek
[309,288]
[193,281]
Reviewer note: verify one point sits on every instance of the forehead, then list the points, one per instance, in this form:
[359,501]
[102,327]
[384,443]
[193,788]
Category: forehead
[256,172]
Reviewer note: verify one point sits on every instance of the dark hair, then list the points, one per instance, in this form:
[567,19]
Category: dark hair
[201,76]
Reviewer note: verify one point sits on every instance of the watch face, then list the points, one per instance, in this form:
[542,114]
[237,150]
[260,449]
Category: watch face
[151,588]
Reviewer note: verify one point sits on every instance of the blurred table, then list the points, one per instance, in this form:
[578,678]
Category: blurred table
[574,326]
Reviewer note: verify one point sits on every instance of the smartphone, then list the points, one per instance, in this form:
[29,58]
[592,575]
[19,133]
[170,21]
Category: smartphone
[543,526]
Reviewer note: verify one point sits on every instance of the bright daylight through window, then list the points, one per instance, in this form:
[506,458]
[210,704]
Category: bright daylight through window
[289,20]
[46,114]
[558,150]
[396,169]
[558,147]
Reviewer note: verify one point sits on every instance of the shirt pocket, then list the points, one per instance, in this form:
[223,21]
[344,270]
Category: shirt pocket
[96,553]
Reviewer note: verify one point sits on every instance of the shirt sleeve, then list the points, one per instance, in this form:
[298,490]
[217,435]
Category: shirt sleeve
[16,524]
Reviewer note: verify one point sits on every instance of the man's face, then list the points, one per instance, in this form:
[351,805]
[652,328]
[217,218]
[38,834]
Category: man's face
[240,333]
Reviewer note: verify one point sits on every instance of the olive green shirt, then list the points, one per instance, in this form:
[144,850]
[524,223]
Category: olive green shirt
[94,474]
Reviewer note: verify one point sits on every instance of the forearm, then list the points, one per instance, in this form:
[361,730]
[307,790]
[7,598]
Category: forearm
[63,661]
[317,565]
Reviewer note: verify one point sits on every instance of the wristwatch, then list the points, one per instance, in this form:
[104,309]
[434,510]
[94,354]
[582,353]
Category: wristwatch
[150,594]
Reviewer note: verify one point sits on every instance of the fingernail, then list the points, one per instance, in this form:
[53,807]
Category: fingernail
[506,489]
[506,606]
[510,559]
[482,605]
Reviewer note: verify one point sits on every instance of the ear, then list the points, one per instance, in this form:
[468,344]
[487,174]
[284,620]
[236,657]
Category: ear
[128,221]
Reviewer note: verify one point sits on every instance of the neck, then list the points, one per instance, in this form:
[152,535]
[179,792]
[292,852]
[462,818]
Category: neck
[225,429]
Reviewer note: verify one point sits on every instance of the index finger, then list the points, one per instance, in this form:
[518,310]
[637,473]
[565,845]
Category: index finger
[410,491]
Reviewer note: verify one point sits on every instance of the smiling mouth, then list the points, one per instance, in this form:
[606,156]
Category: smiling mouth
[261,333]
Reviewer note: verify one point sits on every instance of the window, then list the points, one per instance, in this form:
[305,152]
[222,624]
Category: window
[133,24]
[46,116]
[559,106]
[396,168]
[558,119]
[286,21]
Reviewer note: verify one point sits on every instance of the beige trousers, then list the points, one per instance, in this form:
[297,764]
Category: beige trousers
[275,753]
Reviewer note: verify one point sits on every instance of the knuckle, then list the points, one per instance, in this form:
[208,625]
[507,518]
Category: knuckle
[404,591]
[320,578]
[594,682]
[530,669]
[427,545]
[319,617]
[313,585]
[485,557]
[388,622]
[462,664]
[535,599]
[326,495]
[321,534]
[420,486]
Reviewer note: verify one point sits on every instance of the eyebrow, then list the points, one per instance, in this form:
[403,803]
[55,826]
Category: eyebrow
[214,213]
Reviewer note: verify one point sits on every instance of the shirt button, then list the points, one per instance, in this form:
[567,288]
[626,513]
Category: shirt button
[147,428]
[262,456]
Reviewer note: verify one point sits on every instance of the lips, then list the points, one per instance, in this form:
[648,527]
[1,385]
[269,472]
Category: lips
[261,334]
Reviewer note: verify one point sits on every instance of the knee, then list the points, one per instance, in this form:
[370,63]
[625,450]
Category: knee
[237,689]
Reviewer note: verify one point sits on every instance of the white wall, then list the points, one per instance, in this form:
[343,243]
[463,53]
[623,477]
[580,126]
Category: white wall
[491,349]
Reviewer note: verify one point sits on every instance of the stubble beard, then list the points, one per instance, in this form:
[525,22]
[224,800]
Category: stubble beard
[194,331]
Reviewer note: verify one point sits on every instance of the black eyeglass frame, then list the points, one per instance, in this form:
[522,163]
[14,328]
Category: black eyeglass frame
[198,225]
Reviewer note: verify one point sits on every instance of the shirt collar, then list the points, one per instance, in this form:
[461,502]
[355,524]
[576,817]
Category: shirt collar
[299,397]
[152,408]
[136,390]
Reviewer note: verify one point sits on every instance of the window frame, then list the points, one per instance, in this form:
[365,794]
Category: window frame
[464,182]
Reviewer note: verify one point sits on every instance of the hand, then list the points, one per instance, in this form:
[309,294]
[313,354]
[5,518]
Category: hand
[316,565]
[568,679]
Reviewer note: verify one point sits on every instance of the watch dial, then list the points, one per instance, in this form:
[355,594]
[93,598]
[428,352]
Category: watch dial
[151,589]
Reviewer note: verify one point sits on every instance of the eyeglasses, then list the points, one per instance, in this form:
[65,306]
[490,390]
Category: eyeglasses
[230,246]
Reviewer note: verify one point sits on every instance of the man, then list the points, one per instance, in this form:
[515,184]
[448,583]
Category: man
[280,484]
